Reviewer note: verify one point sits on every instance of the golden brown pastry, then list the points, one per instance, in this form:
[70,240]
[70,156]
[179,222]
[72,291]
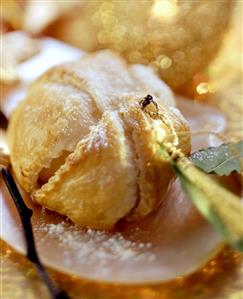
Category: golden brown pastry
[81,144]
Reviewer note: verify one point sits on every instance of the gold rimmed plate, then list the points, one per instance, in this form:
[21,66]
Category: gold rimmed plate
[171,242]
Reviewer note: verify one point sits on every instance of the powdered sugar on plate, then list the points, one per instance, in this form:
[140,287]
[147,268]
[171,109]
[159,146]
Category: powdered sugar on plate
[93,247]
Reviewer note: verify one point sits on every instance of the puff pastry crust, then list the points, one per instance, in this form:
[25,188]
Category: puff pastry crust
[81,145]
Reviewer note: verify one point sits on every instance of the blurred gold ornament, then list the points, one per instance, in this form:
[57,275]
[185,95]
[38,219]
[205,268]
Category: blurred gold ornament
[225,75]
[177,38]
[229,100]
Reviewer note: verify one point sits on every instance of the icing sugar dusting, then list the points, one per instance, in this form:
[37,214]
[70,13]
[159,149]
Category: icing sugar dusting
[96,248]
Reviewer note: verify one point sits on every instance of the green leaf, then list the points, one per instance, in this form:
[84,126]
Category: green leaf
[219,206]
[221,160]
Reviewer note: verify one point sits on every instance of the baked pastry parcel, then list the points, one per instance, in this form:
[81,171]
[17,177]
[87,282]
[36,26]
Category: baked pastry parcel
[81,144]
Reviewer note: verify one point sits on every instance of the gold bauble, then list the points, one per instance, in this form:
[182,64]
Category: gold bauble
[178,38]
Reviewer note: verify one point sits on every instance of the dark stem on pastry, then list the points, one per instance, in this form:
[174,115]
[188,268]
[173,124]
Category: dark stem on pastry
[154,113]
[146,101]
[25,214]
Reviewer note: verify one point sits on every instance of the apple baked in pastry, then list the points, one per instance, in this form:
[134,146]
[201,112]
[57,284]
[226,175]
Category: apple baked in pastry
[82,145]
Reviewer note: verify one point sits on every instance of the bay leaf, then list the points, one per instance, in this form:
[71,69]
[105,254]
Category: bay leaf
[221,160]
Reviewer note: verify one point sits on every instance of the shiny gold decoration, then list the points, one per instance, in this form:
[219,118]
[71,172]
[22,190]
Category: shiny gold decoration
[221,84]
[178,38]
[225,77]
[230,101]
